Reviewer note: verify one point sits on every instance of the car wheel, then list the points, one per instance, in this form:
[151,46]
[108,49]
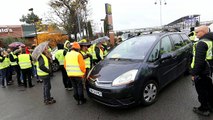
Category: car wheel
[149,92]
[55,66]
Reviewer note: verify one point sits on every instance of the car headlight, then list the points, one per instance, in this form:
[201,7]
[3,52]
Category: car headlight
[125,78]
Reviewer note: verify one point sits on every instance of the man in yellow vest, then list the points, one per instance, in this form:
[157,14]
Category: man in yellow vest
[43,71]
[75,67]
[25,63]
[202,58]
[60,57]
[87,58]
[15,66]
[4,68]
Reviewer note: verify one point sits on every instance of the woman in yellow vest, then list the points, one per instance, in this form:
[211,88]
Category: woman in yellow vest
[75,67]
[43,71]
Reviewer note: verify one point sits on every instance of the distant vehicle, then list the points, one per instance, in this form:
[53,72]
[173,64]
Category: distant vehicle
[136,70]
[126,36]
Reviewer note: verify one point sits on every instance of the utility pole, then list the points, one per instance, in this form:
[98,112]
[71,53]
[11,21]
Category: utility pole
[160,3]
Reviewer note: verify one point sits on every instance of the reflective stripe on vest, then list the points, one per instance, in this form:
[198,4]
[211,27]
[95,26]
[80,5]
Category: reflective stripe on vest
[87,60]
[72,65]
[60,56]
[209,55]
[14,57]
[46,64]
[24,61]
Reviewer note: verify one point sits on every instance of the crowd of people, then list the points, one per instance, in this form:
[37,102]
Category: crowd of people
[75,60]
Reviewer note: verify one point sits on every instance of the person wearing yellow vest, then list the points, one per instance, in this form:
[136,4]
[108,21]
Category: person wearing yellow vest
[13,61]
[43,71]
[192,35]
[25,63]
[75,67]
[60,57]
[97,53]
[201,72]
[4,68]
[87,58]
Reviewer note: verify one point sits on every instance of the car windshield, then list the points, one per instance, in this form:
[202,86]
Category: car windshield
[134,48]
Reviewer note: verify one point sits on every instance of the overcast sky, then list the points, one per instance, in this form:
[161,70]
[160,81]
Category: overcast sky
[127,14]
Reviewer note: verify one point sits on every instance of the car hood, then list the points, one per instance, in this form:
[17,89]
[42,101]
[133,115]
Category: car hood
[108,70]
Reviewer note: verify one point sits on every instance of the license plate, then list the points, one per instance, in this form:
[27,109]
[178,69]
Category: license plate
[98,93]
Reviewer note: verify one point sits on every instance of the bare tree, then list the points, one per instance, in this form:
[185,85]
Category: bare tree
[68,12]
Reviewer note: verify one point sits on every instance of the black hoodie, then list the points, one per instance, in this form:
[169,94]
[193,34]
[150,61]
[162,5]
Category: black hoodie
[201,67]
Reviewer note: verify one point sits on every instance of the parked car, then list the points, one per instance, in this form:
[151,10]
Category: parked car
[136,70]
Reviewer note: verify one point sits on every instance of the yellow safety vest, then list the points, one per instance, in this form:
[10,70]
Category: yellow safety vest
[72,65]
[7,62]
[14,57]
[92,50]
[24,61]
[3,64]
[209,55]
[60,57]
[65,44]
[87,60]
[46,64]
[192,38]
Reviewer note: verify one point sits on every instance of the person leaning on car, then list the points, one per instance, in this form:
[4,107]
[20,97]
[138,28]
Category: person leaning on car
[202,58]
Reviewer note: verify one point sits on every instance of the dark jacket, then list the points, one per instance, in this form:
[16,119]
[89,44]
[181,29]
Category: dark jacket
[202,67]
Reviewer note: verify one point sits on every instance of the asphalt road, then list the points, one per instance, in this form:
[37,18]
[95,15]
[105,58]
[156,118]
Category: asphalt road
[175,103]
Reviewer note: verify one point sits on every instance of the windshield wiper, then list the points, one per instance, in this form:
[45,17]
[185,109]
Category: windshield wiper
[117,59]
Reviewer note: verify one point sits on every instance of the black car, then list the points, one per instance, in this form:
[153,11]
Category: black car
[135,71]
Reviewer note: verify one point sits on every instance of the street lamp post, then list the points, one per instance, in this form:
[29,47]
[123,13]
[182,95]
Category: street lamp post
[31,9]
[160,2]
[102,31]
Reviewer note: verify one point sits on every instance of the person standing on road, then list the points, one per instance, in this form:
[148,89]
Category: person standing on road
[15,66]
[87,59]
[60,57]
[25,63]
[75,67]
[43,71]
[4,68]
[202,59]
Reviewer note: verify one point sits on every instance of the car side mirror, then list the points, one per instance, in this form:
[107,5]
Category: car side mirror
[166,56]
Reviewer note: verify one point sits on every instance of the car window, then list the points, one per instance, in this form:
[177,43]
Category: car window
[185,38]
[178,42]
[166,45]
[155,53]
[134,48]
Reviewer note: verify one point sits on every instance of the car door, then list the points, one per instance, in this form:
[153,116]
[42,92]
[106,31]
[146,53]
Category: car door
[165,69]
[180,52]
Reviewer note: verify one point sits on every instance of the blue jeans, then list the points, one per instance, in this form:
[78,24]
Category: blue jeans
[3,76]
[78,88]
[46,87]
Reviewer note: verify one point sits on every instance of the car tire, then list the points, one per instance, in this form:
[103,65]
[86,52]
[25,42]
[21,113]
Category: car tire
[149,93]
[55,66]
